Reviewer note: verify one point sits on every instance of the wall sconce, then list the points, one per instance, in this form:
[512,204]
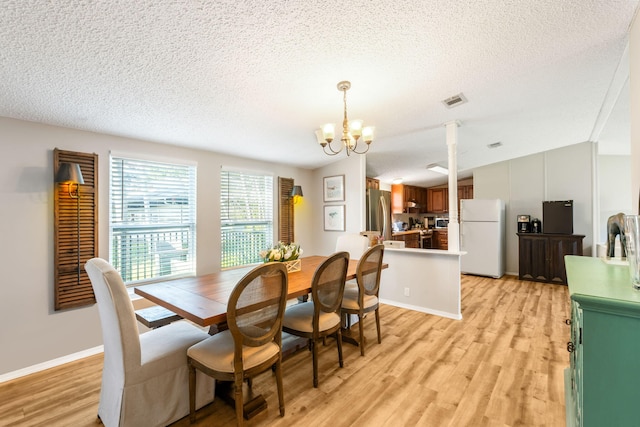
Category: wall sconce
[296,193]
[70,173]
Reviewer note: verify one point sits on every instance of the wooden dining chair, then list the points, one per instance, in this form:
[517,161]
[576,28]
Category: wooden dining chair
[364,298]
[253,342]
[320,317]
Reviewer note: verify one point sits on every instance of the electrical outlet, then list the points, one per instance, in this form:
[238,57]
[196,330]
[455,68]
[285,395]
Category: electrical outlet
[406,292]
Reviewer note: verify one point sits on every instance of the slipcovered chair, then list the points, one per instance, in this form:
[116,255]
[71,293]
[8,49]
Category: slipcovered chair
[355,244]
[145,378]
[320,317]
[253,342]
[364,298]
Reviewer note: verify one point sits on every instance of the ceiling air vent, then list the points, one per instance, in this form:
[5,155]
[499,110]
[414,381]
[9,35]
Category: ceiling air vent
[455,100]
[495,145]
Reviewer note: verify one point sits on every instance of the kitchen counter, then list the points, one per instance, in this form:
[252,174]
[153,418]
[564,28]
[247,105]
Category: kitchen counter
[405,283]
[414,238]
[403,233]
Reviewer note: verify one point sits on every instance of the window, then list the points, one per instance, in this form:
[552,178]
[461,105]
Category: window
[246,216]
[153,219]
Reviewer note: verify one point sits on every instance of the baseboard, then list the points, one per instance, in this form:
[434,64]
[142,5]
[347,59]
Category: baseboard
[50,364]
[422,309]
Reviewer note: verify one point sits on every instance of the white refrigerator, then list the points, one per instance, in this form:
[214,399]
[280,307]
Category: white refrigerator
[482,237]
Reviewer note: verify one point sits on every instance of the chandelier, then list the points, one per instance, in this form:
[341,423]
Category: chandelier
[351,134]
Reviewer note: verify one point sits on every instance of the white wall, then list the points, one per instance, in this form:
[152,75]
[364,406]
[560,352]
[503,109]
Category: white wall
[31,332]
[354,169]
[524,183]
[634,89]
[614,189]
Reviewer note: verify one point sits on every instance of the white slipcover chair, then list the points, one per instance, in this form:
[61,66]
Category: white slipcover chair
[145,378]
[355,244]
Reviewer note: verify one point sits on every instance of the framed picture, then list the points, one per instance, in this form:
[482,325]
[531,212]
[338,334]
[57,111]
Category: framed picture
[333,188]
[334,218]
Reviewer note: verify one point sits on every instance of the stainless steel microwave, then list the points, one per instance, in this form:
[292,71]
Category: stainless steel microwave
[442,222]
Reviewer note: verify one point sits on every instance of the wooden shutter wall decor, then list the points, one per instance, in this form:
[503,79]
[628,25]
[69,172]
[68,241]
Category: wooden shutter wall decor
[285,210]
[72,285]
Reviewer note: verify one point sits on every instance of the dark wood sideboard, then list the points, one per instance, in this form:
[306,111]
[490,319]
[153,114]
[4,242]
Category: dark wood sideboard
[541,256]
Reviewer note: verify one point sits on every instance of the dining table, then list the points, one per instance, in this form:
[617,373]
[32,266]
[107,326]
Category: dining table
[203,300]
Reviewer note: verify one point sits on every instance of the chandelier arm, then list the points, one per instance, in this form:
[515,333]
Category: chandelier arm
[360,152]
[331,151]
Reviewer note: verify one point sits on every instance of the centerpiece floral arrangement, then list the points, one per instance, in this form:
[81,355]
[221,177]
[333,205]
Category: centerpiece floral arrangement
[288,254]
[281,252]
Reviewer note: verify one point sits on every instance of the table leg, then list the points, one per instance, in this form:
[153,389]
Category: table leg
[252,404]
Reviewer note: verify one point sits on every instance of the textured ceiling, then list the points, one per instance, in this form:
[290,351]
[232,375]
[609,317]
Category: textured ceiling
[256,78]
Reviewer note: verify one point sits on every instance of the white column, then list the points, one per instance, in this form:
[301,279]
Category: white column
[454,226]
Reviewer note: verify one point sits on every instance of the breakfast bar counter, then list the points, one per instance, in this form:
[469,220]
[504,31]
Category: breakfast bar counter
[426,280]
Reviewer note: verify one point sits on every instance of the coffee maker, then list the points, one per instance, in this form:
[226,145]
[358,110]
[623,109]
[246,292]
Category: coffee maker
[524,224]
[536,225]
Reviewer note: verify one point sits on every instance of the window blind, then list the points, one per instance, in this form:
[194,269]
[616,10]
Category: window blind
[153,219]
[246,216]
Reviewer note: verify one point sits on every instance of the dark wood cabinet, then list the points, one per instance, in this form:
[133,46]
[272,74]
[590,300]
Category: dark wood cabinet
[541,256]
[402,195]
[441,239]
[464,192]
[373,183]
[438,200]
[411,240]
[397,198]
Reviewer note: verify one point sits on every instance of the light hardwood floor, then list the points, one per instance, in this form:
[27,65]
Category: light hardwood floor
[502,365]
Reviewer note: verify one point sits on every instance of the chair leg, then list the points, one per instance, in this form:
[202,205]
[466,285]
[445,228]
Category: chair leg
[237,396]
[279,384]
[339,342]
[192,394]
[314,356]
[361,329]
[378,326]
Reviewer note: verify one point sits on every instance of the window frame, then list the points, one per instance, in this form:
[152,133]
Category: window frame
[261,239]
[160,234]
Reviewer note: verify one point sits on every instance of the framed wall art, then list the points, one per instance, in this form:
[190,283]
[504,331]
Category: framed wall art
[333,188]
[334,218]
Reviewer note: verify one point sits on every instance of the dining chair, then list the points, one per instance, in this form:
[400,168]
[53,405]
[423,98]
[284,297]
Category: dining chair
[320,317]
[355,244]
[253,342]
[145,378]
[364,298]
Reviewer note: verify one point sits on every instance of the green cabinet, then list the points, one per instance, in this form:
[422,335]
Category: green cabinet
[603,378]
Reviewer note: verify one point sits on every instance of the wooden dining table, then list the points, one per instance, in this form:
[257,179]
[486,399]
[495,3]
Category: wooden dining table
[203,299]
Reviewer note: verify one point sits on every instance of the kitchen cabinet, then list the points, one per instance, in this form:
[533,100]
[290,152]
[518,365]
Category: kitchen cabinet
[464,192]
[411,239]
[601,382]
[441,239]
[373,183]
[402,195]
[437,200]
[397,198]
[541,256]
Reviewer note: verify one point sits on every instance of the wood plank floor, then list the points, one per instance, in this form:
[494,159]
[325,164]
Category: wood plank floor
[502,365]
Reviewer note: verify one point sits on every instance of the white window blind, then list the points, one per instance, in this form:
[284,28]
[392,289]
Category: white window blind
[153,219]
[246,216]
